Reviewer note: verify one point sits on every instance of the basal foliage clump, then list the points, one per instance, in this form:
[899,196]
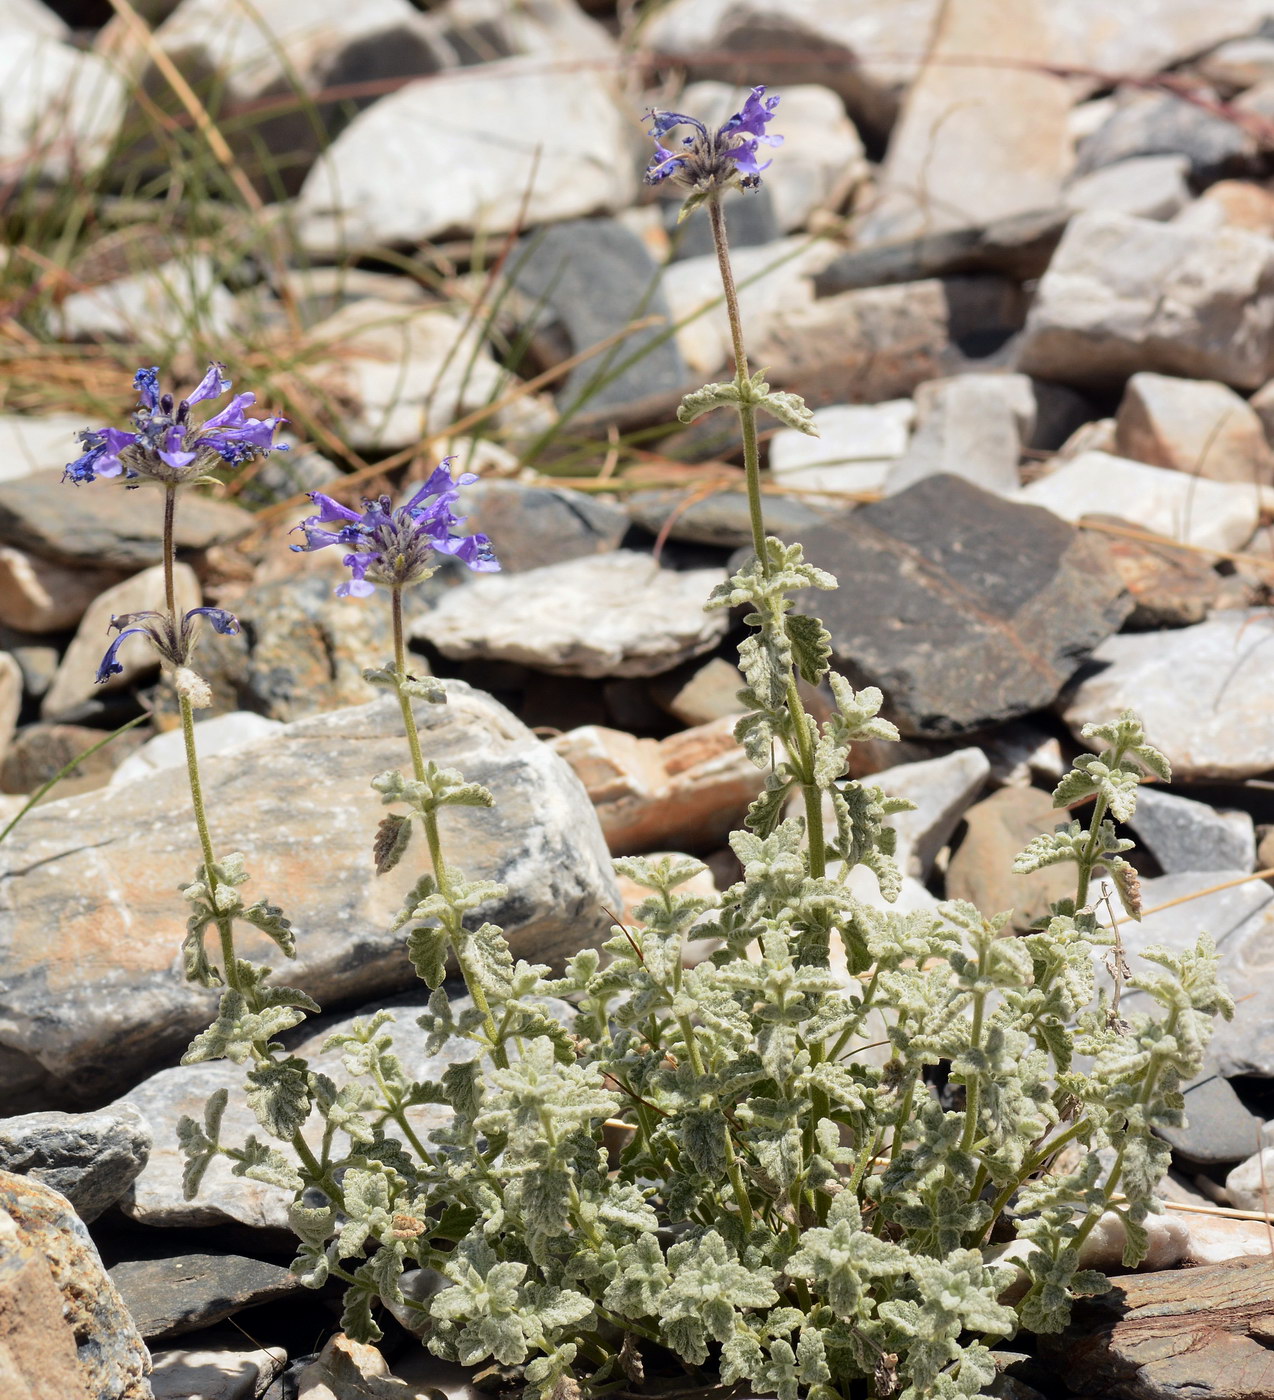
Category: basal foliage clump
[729,1168]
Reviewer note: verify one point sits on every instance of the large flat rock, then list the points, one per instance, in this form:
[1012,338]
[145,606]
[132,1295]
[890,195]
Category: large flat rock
[91,991]
[964,608]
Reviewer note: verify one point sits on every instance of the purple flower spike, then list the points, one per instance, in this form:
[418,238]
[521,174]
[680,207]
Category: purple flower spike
[173,642]
[165,446]
[714,160]
[392,546]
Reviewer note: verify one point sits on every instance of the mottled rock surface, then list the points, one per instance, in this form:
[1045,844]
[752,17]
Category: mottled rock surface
[166,1297]
[37,1348]
[90,1158]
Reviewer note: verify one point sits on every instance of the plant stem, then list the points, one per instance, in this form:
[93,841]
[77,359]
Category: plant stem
[1090,851]
[225,926]
[170,586]
[432,835]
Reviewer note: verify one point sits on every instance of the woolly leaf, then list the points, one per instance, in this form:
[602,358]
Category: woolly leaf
[392,837]
[279,1096]
[811,646]
[704,400]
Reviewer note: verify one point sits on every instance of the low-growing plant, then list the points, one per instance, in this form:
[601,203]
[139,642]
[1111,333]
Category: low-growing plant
[705,1163]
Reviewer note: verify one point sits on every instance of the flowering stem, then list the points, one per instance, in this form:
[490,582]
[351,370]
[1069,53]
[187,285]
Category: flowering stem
[170,585]
[430,820]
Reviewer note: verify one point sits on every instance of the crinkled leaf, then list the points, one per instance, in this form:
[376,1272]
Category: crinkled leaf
[279,1095]
[392,837]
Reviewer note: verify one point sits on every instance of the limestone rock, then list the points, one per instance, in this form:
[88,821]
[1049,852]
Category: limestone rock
[352,1369]
[710,691]
[1185,835]
[1214,514]
[1239,64]
[942,789]
[160,306]
[1233,203]
[1194,426]
[102,526]
[76,677]
[1170,586]
[62,107]
[981,868]
[216,1373]
[689,790]
[975,143]
[1147,187]
[400,372]
[112,1358]
[37,596]
[110,1002]
[1159,123]
[1219,1129]
[37,1347]
[40,751]
[1124,294]
[218,735]
[1216,1239]
[394,175]
[10,698]
[857,447]
[166,1297]
[90,1158]
[31,443]
[32,15]
[615,614]
[972,425]
[722,517]
[531,526]
[966,609]
[1161,1336]
[481,30]
[1202,693]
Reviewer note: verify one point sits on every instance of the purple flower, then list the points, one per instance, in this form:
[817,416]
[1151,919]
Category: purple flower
[395,547]
[165,445]
[173,643]
[710,160]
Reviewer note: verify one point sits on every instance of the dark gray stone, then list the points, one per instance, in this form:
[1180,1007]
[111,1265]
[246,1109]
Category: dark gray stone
[750,222]
[593,277]
[531,526]
[1059,410]
[964,608]
[1220,1130]
[1185,835]
[722,518]
[101,524]
[1018,247]
[1157,124]
[166,1297]
[91,1158]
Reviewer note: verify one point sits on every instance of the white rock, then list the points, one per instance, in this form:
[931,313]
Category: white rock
[942,789]
[867,50]
[75,678]
[1240,63]
[1195,426]
[33,16]
[1095,436]
[1149,187]
[1203,693]
[401,372]
[221,734]
[1215,514]
[1124,294]
[31,444]
[1250,1186]
[164,306]
[38,596]
[10,701]
[822,152]
[1214,1239]
[214,1374]
[549,28]
[772,279]
[456,155]
[856,446]
[1236,203]
[615,614]
[971,425]
[976,141]
[1184,835]
[59,107]
[1169,1239]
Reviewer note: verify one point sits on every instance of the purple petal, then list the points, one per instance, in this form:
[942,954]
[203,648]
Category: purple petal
[475,551]
[176,460]
[232,415]
[146,382]
[110,667]
[330,510]
[222,621]
[744,157]
[355,588]
[211,386]
[663,164]
[753,117]
[663,122]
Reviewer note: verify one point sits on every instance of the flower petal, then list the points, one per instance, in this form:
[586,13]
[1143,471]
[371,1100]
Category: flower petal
[110,667]
[146,382]
[222,621]
[211,386]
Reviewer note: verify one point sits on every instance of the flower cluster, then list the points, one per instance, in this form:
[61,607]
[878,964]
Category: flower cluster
[397,546]
[165,445]
[712,160]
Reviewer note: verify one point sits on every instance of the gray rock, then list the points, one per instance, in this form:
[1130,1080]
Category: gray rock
[1184,835]
[39,751]
[1162,124]
[592,277]
[966,609]
[1248,1186]
[91,1158]
[1147,187]
[750,218]
[107,1002]
[1219,1128]
[1245,1045]
[210,1372]
[282,475]
[161,306]
[615,614]
[1202,693]
[1018,247]
[218,735]
[882,342]
[721,518]
[31,444]
[62,107]
[394,175]
[974,426]
[942,789]
[113,1359]
[857,448]
[1218,515]
[531,526]
[156,1196]
[39,597]
[1124,294]
[102,526]
[166,1297]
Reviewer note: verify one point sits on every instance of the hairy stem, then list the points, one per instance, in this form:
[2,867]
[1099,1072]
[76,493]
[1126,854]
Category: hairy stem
[225,925]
